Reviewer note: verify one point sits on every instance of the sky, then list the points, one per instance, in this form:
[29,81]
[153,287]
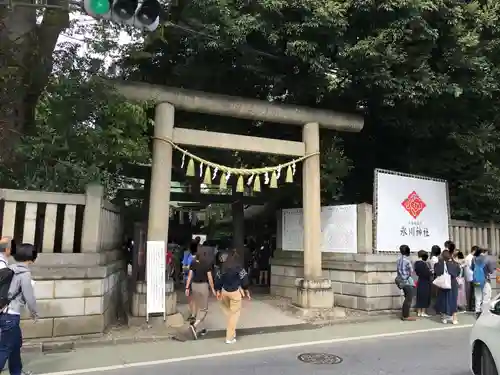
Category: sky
[83,19]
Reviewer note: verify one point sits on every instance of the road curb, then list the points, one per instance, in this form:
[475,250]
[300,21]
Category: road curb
[62,346]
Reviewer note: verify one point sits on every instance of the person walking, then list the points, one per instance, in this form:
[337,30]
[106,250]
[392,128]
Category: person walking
[481,274]
[17,279]
[188,258]
[199,284]
[424,284]
[264,264]
[446,302]
[231,287]
[405,282]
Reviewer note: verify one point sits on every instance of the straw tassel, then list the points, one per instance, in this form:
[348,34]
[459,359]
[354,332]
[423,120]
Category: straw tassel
[256,184]
[239,186]
[289,175]
[208,176]
[190,168]
[274,181]
[223,182]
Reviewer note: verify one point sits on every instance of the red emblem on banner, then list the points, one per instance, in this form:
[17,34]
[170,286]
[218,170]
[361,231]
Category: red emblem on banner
[414,205]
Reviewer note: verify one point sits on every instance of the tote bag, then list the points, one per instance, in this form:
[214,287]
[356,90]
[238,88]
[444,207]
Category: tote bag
[443,281]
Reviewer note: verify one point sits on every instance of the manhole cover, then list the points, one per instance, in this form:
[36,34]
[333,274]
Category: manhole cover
[320,358]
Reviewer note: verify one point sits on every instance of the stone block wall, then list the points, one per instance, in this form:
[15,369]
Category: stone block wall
[363,282]
[76,300]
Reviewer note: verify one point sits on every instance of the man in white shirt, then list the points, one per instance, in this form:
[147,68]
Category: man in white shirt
[5,248]
[469,288]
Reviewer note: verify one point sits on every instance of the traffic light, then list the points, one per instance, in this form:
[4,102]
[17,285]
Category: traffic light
[141,14]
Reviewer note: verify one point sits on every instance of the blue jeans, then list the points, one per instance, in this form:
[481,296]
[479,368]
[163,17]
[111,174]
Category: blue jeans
[11,342]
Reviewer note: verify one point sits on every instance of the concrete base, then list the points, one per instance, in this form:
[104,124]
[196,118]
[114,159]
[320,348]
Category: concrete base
[314,294]
[138,299]
[175,320]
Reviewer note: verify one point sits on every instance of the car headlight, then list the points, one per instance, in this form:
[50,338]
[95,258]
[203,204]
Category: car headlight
[495,306]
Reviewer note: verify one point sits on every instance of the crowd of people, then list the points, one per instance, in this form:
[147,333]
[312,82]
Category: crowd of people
[256,259]
[446,281]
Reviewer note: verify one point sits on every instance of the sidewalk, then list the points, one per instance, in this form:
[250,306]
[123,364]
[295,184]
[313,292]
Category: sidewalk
[116,357]
[261,314]
[258,312]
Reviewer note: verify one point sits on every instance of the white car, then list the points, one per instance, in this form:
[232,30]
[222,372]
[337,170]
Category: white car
[485,341]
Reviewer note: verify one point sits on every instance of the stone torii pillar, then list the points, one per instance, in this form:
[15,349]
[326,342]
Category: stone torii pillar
[313,291]
[161,174]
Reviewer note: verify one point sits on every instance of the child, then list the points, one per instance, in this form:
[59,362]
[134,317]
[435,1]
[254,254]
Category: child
[20,294]
[424,284]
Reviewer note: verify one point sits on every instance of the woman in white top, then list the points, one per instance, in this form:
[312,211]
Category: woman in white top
[435,253]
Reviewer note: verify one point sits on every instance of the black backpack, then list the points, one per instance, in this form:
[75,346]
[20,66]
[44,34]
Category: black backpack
[6,275]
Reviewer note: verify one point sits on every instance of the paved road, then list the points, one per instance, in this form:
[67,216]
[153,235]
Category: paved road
[429,353]
[375,348]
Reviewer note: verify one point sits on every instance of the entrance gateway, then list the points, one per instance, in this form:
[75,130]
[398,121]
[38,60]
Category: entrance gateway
[313,290]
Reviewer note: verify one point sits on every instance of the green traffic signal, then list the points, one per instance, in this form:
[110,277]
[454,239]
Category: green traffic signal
[99,7]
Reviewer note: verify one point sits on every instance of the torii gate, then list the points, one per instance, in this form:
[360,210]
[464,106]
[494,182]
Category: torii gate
[313,291]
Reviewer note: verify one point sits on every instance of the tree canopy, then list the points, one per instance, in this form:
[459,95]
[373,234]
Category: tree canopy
[424,73]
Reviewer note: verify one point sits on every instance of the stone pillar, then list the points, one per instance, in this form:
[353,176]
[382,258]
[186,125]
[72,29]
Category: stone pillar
[147,191]
[365,228]
[91,232]
[238,216]
[279,230]
[492,238]
[161,174]
[311,201]
[313,291]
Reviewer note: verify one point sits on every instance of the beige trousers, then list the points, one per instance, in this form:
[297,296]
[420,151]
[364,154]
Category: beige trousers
[231,305]
[200,293]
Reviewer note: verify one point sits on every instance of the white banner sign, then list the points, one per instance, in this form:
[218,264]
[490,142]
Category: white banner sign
[410,210]
[155,278]
[338,229]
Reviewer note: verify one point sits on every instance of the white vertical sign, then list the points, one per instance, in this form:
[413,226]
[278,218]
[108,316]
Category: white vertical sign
[155,278]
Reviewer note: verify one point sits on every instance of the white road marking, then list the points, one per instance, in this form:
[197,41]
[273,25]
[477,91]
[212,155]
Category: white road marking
[253,350]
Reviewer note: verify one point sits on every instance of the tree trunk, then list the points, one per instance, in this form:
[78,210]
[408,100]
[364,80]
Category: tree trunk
[26,48]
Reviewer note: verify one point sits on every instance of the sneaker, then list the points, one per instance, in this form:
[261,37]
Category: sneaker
[424,315]
[419,315]
[193,332]
[444,321]
[203,332]
[231,341]
[454,322]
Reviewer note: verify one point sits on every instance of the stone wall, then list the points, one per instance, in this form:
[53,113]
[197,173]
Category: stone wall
[77,300]
[363,282]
